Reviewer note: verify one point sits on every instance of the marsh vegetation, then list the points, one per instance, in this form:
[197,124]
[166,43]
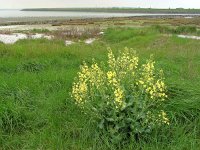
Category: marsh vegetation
[37,75]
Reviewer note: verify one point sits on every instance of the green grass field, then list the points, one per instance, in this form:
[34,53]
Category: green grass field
[36,111]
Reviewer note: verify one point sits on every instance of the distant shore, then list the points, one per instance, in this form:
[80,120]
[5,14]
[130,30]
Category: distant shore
[60,20]
[58,15]
[122,10]
[30,20]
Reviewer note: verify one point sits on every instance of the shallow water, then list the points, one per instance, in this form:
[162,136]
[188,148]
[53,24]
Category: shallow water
[18,13]
[28,27]
[90,41]
[189,37]
[12,38]
[67,42]
[10,27]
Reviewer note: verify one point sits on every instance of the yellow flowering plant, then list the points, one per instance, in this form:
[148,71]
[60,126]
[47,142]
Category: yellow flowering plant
[124,97]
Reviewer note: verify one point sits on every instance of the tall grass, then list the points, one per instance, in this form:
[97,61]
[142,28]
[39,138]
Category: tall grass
[36,111]
[177,30]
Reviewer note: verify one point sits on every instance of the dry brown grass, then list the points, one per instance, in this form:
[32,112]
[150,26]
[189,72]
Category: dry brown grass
[77,32]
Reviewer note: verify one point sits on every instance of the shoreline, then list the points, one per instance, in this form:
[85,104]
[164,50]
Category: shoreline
[59,20]
[121,10]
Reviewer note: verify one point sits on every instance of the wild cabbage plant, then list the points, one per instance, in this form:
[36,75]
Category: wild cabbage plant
[124,97]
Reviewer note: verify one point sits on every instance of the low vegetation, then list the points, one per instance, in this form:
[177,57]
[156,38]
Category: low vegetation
[124,98]
[177,30]
[36,80]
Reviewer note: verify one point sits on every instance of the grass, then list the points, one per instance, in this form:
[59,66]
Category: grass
[39,31]
[36,111]
[177,30]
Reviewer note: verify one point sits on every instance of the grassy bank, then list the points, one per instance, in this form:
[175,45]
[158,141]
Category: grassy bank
[36,76]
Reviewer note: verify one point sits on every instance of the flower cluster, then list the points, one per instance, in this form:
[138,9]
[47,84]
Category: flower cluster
[153,86]
[159,117]
[125,89]
[80,88]
[163,117]
[124,64]
[116,87]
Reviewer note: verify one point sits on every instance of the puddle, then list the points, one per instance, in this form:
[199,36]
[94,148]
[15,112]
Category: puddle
[100,33]
[188,17]
[68,43]
[39,36]
[12,38]
[90,41]
[11,27]
[189,37]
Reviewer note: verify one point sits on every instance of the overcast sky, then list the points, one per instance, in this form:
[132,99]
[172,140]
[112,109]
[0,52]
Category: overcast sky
[99,3]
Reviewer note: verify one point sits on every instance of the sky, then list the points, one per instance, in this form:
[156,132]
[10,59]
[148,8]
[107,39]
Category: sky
[14,4]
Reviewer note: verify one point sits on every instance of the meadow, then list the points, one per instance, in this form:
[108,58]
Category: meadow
[36,76]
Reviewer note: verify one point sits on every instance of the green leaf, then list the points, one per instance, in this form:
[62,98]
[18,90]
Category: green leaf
[110,119]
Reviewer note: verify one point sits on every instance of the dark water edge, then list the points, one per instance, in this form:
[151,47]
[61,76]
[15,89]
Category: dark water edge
[122,10]
[37,16]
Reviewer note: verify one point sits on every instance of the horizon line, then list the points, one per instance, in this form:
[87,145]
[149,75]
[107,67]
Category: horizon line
[98,8]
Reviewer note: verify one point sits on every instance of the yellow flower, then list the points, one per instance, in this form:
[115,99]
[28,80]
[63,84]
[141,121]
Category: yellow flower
[164,117]
[111,59]
[83,87]
[124,76]
[111,74]
[141,82]
[119,96]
